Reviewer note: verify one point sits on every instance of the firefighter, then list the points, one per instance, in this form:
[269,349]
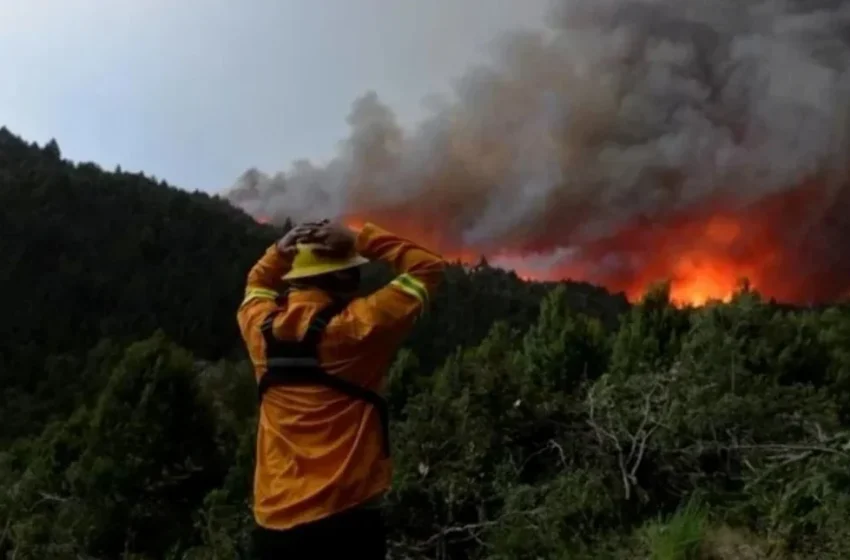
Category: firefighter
[320,357]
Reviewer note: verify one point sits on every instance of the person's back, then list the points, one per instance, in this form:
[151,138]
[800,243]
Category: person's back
[321,452]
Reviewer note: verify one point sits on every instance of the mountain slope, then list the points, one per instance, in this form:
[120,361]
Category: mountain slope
[89,255]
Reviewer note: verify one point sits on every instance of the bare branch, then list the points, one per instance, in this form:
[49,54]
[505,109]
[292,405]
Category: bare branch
[656,410]
[470,530]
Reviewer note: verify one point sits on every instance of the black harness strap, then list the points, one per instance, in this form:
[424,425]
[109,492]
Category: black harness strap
[297,363]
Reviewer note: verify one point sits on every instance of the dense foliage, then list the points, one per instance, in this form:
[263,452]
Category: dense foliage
[530,420]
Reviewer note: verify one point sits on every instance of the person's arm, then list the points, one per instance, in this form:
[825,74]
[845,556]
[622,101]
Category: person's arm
[265,280]
[391,312]
[263,286]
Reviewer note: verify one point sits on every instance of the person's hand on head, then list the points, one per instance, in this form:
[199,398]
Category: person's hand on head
[301,233]
[336,240]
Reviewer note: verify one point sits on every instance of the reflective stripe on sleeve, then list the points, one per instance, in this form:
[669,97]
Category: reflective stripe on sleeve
[411,286]
[259,293]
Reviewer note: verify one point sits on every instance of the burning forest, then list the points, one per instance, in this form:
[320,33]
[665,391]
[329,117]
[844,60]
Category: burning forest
[632,141]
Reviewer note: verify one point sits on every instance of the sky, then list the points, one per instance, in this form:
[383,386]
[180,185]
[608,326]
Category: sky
[197,91]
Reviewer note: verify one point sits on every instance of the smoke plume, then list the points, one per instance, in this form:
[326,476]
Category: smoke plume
[631,141]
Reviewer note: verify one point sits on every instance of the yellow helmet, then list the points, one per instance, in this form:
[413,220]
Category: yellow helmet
[307,263]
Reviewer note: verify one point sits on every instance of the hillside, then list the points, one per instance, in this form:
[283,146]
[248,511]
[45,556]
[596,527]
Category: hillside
[114,254]
[530,420]
[91,255]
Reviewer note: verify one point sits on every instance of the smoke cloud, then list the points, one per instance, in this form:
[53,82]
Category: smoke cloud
[630,141]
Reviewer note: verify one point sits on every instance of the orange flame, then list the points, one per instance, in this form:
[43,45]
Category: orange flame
[703,253]
[697,274]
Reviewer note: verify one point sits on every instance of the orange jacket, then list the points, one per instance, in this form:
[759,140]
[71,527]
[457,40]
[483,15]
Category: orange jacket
[318,451]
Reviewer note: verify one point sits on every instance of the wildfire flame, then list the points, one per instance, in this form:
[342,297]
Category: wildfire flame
[697,276]
[704,254]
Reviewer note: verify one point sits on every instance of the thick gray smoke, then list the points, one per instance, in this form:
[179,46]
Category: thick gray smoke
[621,112]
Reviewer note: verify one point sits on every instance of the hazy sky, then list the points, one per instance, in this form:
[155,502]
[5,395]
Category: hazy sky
[196,91]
